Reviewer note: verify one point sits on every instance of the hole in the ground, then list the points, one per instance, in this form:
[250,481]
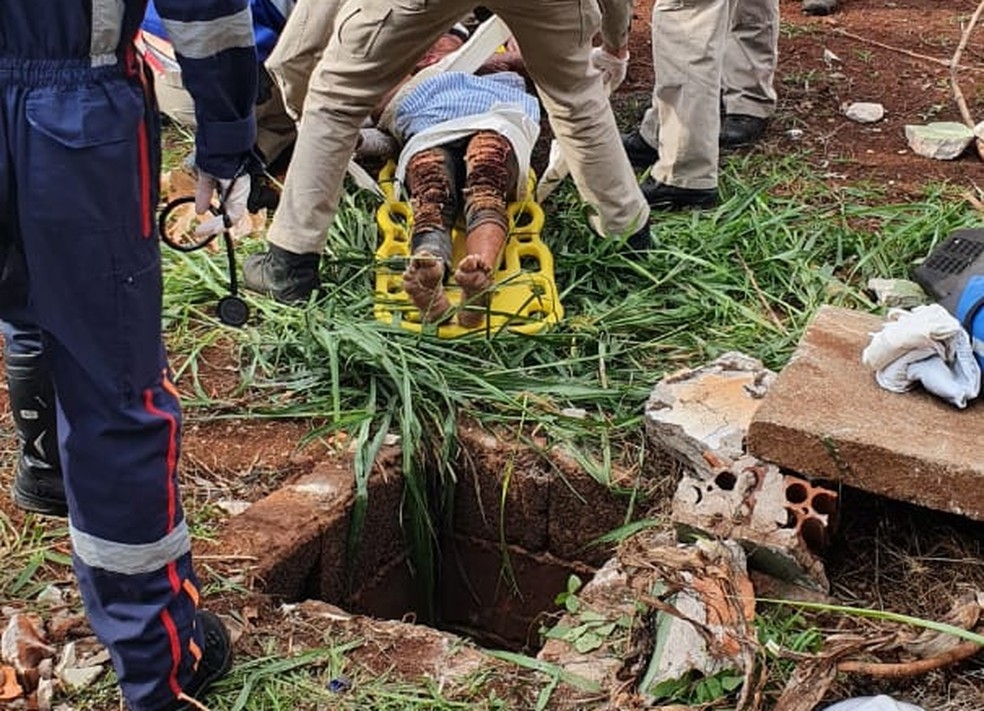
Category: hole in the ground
[498,564]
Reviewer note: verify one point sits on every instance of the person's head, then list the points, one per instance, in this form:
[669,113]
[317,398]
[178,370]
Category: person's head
[443,46]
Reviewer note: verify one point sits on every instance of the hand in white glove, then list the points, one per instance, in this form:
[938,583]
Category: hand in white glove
[613,69]
[233,200]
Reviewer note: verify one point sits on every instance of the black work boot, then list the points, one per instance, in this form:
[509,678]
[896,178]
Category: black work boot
[287,277]
[740,130]
[640,241]
[38,485]
[215,662]
[640,153]
[669,197]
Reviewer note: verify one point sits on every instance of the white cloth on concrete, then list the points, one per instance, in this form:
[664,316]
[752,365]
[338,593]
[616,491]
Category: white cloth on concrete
[873,703]
[927,346]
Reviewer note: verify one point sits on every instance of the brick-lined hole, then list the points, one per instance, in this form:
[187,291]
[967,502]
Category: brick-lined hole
[498,595]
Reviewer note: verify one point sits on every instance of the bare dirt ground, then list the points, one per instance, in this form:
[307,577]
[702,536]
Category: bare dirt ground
[889,555]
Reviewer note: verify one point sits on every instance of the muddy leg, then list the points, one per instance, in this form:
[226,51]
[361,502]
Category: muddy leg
[474,274]
[430,181]
[423,281]
[490,179]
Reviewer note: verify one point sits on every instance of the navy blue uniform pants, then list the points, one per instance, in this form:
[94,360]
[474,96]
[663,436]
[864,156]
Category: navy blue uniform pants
[80,263]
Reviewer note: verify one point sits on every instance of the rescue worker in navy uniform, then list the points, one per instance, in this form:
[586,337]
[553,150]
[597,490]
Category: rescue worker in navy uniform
[80,275]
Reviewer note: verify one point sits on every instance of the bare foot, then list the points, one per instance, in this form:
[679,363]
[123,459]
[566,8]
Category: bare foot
[422,281]
[474,277]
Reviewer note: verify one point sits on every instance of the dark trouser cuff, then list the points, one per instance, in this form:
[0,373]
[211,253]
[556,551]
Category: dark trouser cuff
[435,242]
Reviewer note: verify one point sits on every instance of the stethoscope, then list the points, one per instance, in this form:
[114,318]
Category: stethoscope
[231,309]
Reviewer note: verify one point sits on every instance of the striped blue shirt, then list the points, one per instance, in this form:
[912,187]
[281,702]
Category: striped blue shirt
[454,95]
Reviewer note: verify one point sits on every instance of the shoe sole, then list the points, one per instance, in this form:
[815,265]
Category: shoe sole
[39,504]
[672,205]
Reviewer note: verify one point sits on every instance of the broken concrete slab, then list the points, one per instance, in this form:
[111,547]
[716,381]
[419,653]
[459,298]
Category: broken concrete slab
[826,417]
[706,623]
[700,416]
[781,521]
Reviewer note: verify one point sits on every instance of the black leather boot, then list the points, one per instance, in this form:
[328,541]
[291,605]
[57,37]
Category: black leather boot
[669,197]
[288,277]
[38,485]
[740,130]
[640,153]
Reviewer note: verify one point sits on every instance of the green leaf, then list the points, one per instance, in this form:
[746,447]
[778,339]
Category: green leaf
[588,642]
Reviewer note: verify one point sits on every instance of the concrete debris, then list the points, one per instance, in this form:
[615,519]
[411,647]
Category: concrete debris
[699,417]
[45,692]
[705,625]
[603,602]
[23,645]
[75,673]
[827,419]
[781,520]
[897,293]
[942,140]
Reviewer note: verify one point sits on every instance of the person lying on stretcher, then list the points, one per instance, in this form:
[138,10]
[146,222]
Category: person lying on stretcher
[467,141]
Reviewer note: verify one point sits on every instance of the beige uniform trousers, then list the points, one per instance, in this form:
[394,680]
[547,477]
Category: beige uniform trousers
[750,59]
[703,49]
[375,43]
[298,49]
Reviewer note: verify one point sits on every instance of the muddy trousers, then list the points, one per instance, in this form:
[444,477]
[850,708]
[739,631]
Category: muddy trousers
[80,262]
[479,171]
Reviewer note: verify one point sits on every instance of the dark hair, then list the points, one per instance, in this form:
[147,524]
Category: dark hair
[459,31]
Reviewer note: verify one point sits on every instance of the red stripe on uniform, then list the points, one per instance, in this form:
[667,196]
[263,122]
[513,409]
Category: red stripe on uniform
[172,455]
[172,636]
[134,68]
[145,207]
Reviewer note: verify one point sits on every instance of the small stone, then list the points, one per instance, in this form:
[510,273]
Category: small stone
[865,112]
[52,596]
[233,507]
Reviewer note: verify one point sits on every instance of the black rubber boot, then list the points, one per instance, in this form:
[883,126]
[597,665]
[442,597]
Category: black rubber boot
[287,277]
[38,485]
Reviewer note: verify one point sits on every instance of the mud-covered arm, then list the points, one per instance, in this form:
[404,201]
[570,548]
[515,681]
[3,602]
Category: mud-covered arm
[214,44]
[616,16]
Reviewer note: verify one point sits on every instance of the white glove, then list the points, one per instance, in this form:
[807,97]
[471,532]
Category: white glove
[233,200]
[613,69]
